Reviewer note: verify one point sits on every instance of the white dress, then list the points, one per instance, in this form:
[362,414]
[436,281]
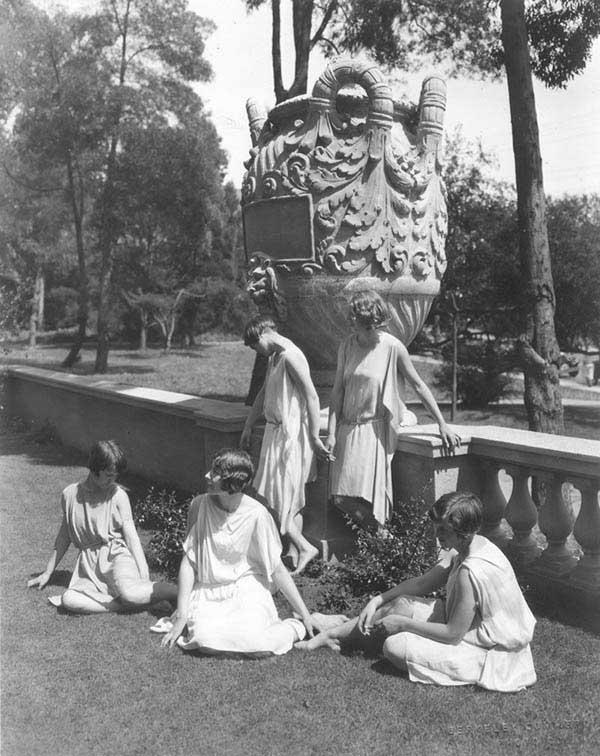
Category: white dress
[371,415]
[234,555]
[495,653]
[287,460]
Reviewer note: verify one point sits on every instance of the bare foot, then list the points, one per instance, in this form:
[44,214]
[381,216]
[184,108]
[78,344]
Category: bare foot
[319,641]
[292,555]
[304,557]
[327,621]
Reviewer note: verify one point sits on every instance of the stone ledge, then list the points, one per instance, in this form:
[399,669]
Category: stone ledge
[541,452]
[212,414]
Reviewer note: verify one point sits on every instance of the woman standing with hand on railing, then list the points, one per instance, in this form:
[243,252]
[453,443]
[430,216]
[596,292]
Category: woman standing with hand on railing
[366,411]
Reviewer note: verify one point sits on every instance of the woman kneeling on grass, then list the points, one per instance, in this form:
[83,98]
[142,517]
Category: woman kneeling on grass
[479,635]
[232,558]
[111,572]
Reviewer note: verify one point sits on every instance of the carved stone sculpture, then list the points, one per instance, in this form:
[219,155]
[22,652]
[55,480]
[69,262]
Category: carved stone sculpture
[343,192]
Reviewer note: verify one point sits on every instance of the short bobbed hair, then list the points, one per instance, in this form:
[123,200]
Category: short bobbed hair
[368,309]
[256,327]
[461,510]
[107,455]
[235,469]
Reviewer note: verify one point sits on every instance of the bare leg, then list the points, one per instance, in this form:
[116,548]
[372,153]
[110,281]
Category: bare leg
[79,603]
[332,638]
[306,551]
[350,633]
[144,592]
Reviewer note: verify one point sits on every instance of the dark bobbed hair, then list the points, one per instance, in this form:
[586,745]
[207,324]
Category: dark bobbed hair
[107,455]
[235,469]
[368,309]
[461,510]
[256,327]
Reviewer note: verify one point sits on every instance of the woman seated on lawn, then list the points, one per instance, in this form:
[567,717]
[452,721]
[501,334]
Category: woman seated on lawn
[111,572]
[479,635]
[231,560]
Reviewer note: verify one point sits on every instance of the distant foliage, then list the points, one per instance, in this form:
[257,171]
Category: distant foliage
[384,558]
[481,377]
[165,513]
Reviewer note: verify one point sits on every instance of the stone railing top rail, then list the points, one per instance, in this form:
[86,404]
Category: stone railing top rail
[511,447]
[209,413]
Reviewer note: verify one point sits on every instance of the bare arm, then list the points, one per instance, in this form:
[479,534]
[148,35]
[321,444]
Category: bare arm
[61,544]
[284,583]
[254,416]
[449,438]
[336,400]
[300,375]
[131,537]
[430,581]
[185,583]
[451,632]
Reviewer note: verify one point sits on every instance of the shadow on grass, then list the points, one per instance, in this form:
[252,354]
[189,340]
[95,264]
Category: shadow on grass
[86,368]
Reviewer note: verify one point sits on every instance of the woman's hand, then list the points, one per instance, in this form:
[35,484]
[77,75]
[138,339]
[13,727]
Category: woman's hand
[321,450]
[310,624]
[450,439]
[169,640]
[365,618]
[40,581]
[393,623]
[246,438]
[330,446]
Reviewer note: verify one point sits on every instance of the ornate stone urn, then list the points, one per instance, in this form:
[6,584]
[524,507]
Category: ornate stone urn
[343,193]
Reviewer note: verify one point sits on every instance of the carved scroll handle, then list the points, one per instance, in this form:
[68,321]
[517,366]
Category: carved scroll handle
[432,107]
[345,71]
[257,115]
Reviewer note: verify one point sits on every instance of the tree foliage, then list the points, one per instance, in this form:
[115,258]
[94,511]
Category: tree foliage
[103,114]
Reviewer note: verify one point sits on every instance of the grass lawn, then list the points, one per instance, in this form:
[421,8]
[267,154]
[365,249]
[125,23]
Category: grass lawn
[102,685]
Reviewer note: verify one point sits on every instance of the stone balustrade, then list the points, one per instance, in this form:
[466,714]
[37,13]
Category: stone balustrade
[555,544]
[170,438]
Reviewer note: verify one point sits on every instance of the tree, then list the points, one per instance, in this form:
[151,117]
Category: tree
[304,12]
[574,230]
[559,36]
[82,81]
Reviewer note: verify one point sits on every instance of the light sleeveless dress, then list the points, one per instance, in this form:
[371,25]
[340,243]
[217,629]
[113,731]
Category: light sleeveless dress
[495,653]
[287,460]
[96,529]
[234,555]
[367,430]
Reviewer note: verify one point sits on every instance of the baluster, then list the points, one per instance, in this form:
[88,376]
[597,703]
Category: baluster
[521,515]
[494,505]
[587,533]
[555,519]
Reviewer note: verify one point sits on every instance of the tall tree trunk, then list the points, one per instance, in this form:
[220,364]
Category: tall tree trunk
[41,302]
[143,331]
[107,216]
[302,20]
[541,352]
[83,293]
[34,321]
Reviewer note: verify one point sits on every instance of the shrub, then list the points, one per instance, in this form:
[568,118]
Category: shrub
[383,558]
[480,372]
[165,513]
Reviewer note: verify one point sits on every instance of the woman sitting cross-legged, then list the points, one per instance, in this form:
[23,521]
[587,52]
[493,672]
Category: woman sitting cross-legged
[479,635]
[231,560]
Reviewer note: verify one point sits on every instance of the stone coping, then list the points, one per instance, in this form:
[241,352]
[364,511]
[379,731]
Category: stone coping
[540,452]
[208,413]
[511,447]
